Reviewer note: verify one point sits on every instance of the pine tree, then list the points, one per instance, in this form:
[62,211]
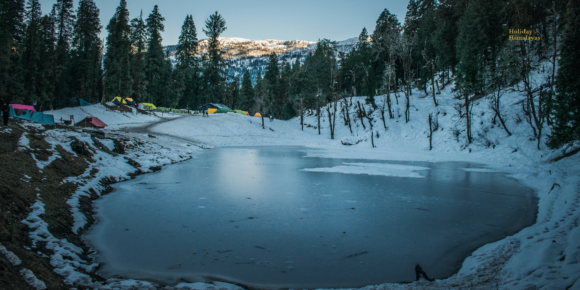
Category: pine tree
[85,55]
[567,103]
[118,81]
[247,93]
[387,24]
[188,43]
[64,24]
[270,84]
[138,43]
[214,73]
[155,67]
[11,36]
[31,52]
[47,65]
[187,66]
[480,36]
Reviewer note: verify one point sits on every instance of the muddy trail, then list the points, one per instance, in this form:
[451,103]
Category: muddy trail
[146,129]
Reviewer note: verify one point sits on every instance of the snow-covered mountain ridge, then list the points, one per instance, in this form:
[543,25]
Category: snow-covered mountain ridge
[235,47]
[252,55]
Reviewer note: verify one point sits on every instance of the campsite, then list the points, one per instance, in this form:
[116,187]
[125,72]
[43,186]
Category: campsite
[234,145]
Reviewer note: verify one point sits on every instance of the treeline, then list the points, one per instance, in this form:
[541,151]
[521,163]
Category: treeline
[465,41]
[53,59]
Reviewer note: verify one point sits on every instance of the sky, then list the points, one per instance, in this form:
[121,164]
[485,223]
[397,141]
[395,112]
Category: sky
[309,20]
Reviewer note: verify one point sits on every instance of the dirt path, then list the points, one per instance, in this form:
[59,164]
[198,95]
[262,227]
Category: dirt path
[145,129]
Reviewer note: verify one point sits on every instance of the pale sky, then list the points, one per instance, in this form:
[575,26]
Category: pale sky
[261,19]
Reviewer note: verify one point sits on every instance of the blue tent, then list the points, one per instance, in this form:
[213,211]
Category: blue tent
[84,103]
[37,117]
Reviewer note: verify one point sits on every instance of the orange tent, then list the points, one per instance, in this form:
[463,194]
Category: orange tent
[257,115]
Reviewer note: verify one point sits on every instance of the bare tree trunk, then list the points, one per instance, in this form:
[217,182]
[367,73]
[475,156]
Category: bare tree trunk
[318,117]
[383,116]
[407,106]
[372,140]
[496,108]
[467,118]
[433,82]
[539,117]
[360,114]
[430,133]
[262,115]
[330,121]
[388,98]
[334,116]
[302,119]
[348,119]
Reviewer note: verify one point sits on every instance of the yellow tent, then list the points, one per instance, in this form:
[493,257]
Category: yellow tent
[257,115]
[153,107]
[118,101]
[211,110]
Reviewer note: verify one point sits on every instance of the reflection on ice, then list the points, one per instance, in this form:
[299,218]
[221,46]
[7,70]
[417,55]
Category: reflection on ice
[395,170]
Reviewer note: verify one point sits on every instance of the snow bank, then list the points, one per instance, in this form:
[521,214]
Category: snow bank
[13,259]
[32,280]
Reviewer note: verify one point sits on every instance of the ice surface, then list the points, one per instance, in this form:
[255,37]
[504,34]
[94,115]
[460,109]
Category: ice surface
[254,216]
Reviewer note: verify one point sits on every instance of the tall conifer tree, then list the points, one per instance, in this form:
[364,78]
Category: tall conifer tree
[567,103]
[11,37]
[138,43]
[86,53]
[65,20]
[214,72]
[247,99]
[187,65]
[118,80]
[156,72]
[32,52]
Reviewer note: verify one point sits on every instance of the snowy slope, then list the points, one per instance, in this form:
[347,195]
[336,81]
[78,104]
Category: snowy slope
[113,119]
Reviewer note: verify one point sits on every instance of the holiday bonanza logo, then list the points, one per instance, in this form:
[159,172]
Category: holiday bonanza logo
[524,34]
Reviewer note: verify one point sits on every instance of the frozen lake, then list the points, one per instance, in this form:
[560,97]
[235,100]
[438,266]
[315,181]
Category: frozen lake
[269,218]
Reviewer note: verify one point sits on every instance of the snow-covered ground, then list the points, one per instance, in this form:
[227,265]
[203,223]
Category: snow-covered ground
[545,255]
[113,119]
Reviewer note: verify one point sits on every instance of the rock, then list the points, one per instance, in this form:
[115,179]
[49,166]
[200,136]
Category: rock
[102,146]
[80,147]
[132,162]
[119,146]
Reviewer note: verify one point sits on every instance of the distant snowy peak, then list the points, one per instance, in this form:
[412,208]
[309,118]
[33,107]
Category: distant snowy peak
[235,47]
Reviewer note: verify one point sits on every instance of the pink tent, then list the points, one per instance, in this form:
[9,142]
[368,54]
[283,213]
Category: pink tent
[91,122]
[22,107]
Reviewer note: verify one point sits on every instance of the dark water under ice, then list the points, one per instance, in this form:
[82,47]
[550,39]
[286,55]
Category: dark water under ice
[253,216]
